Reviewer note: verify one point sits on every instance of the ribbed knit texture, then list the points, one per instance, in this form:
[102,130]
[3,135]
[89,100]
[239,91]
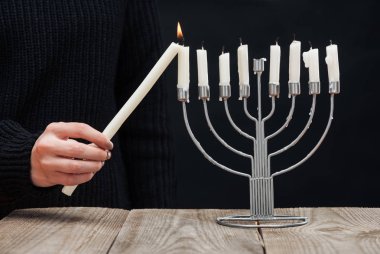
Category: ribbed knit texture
[79,61]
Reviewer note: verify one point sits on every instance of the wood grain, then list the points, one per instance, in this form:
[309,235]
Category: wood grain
[330,230]
[60,230]
[184,231]
[101,230]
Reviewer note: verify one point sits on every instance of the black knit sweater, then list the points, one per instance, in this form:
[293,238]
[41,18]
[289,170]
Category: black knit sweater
[79,61]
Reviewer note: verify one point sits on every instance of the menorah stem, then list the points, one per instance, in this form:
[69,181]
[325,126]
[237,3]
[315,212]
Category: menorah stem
[221,140]
[261,165]
[200,148]
[259,96]
[331,116]
[260,127]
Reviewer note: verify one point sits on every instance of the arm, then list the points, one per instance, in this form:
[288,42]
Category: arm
[145,139]
[16,145]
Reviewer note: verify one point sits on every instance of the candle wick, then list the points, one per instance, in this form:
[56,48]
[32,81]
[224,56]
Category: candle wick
[241,41]
[223,50]
[331,42]
[202,43]
[277,40]
[181,41]
[311,46]
[294,36]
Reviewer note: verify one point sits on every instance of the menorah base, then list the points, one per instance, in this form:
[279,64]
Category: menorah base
[248,221]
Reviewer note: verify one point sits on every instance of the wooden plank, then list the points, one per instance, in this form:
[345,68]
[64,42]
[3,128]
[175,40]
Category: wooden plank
[60,230]
[184,231]
[330,230]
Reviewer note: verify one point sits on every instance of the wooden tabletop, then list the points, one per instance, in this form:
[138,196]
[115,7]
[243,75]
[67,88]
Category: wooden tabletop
[103,230]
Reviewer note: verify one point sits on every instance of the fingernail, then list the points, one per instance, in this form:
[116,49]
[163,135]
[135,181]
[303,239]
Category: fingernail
[102,163]
[110,145]
[109,155]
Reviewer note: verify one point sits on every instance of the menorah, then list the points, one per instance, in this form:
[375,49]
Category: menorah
[261,177]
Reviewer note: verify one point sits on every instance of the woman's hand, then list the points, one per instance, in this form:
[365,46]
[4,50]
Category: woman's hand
[58,159]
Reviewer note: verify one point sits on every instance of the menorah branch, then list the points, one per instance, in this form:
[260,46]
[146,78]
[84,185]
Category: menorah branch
[256,145]
[221,140]
[295,141]
[264,142]
[288,119]
[247,112]
[244,134]
[273,108]
[254,148]
[317,145]
[199,146]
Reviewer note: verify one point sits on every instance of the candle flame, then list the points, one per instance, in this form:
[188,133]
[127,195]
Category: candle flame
[179,33]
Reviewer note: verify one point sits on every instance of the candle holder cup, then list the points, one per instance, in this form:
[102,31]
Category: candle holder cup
[260,179]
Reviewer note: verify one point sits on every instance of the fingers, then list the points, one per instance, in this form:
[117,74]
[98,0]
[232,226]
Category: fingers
[52,153]
[80,130]
[71,179]
[75,149]
[70,166]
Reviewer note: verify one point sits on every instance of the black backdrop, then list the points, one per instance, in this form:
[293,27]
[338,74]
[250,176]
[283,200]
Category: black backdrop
[345,171]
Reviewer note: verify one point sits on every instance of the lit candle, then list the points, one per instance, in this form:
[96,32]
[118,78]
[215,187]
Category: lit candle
[311,60]
[294,61]
[202,67]
[183,63]
[243,66]
[224,69]
[332,62]
[183,68]
[136,98]
[274,71]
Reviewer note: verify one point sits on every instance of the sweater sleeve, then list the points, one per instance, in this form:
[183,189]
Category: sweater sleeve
[145,139]
[16,145]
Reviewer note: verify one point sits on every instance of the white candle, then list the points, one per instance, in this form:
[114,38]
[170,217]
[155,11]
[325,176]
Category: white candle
[136,98]
[183,68]
[202,67]
[311,60]
[332,63]
[274,71]
[243,66]
[224,69]
[294,62]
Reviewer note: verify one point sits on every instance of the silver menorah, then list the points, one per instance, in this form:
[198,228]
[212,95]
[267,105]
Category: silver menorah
[261,177]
